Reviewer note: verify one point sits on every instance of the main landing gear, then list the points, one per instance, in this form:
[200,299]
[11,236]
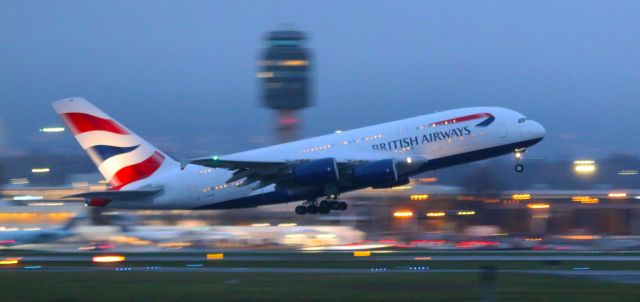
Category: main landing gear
[332,203]
[519,155]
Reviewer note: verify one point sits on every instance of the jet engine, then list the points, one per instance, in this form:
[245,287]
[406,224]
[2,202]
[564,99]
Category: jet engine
[316,172]
[381,173]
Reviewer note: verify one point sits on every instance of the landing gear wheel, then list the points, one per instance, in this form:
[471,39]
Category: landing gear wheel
[312,209]
[325,204]
[519,168]
[335,205]
[301,210]
[324,209]
[342,205]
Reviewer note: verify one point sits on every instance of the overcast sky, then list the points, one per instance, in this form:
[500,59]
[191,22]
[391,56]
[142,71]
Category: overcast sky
[182,73]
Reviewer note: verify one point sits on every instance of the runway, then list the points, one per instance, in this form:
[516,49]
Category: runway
[629,276]
[343,257]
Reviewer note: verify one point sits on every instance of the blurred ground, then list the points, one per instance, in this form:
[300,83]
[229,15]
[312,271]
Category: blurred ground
[132,286]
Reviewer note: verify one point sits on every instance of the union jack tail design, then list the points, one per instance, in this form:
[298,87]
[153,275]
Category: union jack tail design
[121,156]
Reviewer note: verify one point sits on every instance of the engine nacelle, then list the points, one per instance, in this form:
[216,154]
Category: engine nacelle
[316,172]
[379,173]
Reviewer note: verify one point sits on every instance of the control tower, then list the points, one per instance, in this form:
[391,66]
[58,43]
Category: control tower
[285,79]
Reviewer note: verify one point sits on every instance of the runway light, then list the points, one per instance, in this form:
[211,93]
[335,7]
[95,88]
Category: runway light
[260,224]
[533,239]
[52,129]
[466,212]
[361,253]
[264,74]
[107,259]
[435,214]
[585,199]
[628,172]
[215,256]
[417,197]
[19,181]
[40,170]
[538,206]
[525,196]
[402,214]
[287,224]
[45,204]
[27,197]
[584,166]
[617,195]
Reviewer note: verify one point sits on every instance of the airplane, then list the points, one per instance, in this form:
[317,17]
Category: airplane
[18,237]
[379,156]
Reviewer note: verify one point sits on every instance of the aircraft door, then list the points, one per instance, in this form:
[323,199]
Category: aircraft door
[501,130]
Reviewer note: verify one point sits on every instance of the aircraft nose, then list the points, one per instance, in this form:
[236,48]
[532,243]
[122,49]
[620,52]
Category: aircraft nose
[537,130]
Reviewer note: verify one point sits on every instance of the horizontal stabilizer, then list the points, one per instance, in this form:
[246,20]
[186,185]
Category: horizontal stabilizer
[118,195]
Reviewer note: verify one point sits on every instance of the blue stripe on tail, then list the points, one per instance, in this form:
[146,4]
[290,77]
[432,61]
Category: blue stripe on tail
[100,153]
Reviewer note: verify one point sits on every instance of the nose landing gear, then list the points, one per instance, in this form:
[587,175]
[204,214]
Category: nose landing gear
[331,203]
[519,155]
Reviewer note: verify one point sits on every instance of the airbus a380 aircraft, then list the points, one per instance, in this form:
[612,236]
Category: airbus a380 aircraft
[379,156]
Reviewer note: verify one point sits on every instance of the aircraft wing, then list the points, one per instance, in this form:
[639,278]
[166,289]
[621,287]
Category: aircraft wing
[118,195]
[265,173]
[270,172]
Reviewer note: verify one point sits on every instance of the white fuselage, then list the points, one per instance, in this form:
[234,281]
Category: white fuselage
[422,143]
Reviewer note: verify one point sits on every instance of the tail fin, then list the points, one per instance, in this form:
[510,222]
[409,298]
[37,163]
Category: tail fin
[121,156]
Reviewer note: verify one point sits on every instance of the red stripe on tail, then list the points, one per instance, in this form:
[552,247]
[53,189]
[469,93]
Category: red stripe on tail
[82,122]
[137,172]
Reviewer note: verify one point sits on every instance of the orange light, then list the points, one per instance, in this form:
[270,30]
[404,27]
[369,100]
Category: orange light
[292,63]
[361,253]
[107,259]
[580,237]
[217,256]
[428,179]
[466,212]
[420,197]
[525,196]
[617,195]
[402,214]
[538,206]
[585,199]
[435,214]
[9,261]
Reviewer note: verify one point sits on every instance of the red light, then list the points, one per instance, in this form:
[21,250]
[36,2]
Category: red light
[288,121]
[98,202]
[7,241]
[469,244]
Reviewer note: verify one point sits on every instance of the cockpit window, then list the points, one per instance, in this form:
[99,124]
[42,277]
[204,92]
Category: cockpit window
[522,120]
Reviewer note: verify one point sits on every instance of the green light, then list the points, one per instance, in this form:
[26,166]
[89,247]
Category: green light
[215,158]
